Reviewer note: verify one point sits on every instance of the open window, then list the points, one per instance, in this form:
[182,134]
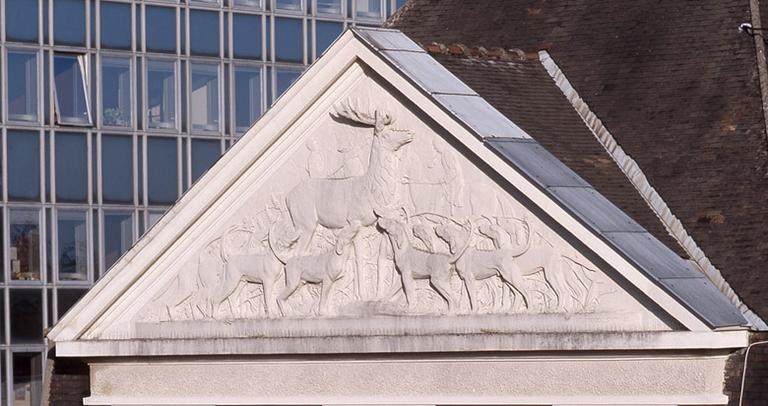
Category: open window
[72,104]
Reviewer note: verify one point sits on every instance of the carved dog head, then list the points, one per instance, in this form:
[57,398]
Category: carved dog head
[450,233]
[393,229]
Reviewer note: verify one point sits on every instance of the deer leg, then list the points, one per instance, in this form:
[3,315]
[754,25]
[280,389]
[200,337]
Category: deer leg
[384,253]
[358,245]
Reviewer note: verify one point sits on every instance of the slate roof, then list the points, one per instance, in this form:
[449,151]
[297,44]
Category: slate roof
[677,85]
[545,110]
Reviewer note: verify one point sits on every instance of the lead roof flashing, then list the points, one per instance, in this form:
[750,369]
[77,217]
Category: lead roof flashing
[657,261]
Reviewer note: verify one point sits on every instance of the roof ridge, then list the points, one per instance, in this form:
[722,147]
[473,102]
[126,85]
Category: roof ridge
[480,52]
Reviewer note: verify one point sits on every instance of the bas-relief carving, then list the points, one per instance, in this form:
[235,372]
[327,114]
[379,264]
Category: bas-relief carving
[379,215]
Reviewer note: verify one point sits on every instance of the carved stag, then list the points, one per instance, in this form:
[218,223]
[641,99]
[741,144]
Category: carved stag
[350,203]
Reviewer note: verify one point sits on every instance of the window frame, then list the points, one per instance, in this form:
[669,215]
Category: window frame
[85,68]
[219,98]
[175,129]
[132,91]
[264,104]
[38,116]
[89,280]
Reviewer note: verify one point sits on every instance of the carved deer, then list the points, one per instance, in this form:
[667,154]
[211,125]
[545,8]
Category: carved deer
[350,203]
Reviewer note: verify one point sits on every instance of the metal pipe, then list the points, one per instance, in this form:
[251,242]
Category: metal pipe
[744,371]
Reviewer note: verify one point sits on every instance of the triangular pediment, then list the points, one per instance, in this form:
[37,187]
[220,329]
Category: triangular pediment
[356,208]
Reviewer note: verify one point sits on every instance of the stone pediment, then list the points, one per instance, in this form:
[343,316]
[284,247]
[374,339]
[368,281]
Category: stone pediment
[352,209]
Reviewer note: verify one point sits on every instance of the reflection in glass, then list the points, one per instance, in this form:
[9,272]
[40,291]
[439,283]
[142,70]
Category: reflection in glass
[327,32]
[22,86]
[27,378]
[162,170]
[204,154]
[116,91]
[24,231]
[161,29]
[67,298]
[153,217]
[73,245]
[71,95]
[204,97]
[288,4]
[117,169]
[71,168]
[21,20]
[250,3]
[368,8]
[118,235]
[329,6]
[285,78]
[69,22]
[247,97]
[115,25]
[289,44]
[161,94]
[204,32]
[23,165]
[246,34]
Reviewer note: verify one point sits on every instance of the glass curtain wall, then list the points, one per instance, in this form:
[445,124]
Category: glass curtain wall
[110,110]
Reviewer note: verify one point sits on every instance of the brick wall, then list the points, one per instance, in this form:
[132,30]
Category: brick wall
[69,382]
[756,384]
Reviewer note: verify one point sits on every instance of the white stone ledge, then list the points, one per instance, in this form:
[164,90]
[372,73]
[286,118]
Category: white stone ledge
[406,344]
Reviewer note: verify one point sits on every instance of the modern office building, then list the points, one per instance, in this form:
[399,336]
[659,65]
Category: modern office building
[110,111]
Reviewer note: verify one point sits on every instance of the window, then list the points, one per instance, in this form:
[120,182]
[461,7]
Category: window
[329,7]
[368,8]
[71,168]
[285,78]
[161,29]
[116,92]
[118,235]
[204,97]
[26,318]
[21,20]
[22,86]
[115,25]
[69,22]
[204,32]
[161,94]
[289,44]
[153,216]
[247,97]
[162,176]
[27,377]
[117,169]
[23,165]
[246,35]
[67,298]
[327,32]
[73,245]
[72,105]
[294,5]
[204,154]
[247,3]
[24,232]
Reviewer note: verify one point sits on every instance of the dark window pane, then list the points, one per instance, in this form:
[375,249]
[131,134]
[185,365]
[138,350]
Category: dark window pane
[162,168]
[289,45]
[69,22]
[368,8]
[399,3]
[24,226]
[246,33]
[71,96]
[27,379]
[285,77]
[23,165]
[71,168]
[327,32]
[67,298]
[161,94]
[329,6]
[116,91]
[117,169]
[288,4]
[247,97]
[26,316]
[73,246]
[118,235]
[115,25]
[204,32]
[21,20]
[204,98]
[204,154]
[161,29]
[22,86]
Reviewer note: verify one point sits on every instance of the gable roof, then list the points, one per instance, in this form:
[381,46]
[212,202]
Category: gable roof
[557,191]
[677,85]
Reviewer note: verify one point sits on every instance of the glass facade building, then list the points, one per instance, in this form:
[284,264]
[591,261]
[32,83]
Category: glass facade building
[110,110]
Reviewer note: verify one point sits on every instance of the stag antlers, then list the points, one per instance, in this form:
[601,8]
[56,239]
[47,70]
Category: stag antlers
[351,109]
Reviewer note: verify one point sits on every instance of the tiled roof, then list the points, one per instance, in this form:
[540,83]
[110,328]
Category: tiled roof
[677,85]
[544,108]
